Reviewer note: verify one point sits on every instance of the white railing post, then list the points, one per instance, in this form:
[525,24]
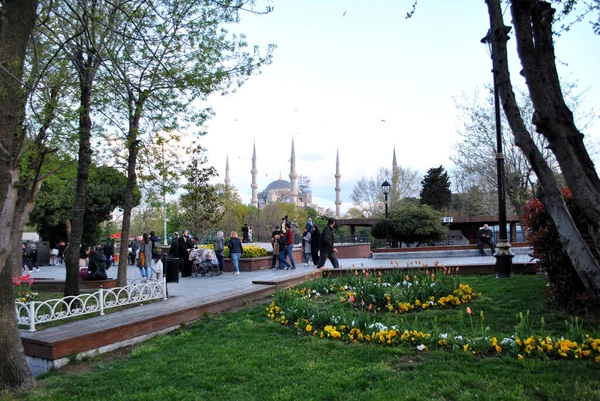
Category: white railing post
[31,309]
[164,288]
[101,300]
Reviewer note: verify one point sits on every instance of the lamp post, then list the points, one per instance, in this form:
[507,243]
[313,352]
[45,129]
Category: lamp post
[503,254]
[385,188]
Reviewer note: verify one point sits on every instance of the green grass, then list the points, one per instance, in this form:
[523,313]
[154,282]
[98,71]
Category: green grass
[243,355]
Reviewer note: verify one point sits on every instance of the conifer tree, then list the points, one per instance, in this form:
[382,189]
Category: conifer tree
[436,189]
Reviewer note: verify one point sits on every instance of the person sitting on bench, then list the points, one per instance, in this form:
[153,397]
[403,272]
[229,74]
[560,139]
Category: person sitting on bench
[96,266]
[484,237]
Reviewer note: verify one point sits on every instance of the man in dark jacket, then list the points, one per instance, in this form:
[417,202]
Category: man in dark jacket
[316,240]
[184,248]
[484,237]
[326,245]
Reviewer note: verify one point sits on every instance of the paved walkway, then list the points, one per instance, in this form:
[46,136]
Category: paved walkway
[214,287]
[206,292]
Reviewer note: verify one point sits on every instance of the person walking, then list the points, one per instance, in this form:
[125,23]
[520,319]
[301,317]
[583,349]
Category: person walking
[54,255]
[315,239]
[135,247]
[236,250]
[289,243]
[326,245]
[484,237]
[26,263]
[220,249]
[280,243]
[245,232]
[145,258]
[33,257]
[61,252]
[276,232]
[306,246]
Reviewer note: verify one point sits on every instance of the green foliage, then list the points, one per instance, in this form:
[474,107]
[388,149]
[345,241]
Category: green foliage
[566,290]
[106,188]
[412,224]
[201,205]
[435,189]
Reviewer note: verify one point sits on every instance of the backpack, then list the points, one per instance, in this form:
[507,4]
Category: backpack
[156,249]
[219,245]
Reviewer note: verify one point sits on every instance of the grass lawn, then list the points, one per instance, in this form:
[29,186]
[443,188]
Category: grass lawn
[243,355]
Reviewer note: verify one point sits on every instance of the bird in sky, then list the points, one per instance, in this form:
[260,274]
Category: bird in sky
[343,15]
[382,121]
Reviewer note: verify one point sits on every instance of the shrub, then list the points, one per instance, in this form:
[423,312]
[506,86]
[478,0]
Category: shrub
[566,290]
[250,251]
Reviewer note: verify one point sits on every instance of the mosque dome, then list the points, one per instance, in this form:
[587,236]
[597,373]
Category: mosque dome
[279,184]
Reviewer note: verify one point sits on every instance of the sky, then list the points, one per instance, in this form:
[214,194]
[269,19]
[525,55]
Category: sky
[355,76]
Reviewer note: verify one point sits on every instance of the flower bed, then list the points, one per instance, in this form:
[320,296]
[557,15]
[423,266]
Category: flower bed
[365,308]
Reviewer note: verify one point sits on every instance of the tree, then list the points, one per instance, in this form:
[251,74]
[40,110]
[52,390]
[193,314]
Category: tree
[412,224]
[435,189]
[533,23]
[16,25]
[368,197]
[200,202]
[174,54]
[475,154]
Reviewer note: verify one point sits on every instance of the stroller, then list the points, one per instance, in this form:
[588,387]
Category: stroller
[205,262]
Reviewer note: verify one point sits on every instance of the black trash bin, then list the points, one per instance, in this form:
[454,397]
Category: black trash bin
[172,269]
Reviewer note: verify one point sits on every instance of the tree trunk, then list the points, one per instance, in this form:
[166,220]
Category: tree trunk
[583,260]
[15,373]
[17,20]
[135,114]
[552,118]
[83,169]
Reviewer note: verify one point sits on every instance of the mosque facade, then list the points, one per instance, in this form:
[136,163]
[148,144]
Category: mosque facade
[296,191]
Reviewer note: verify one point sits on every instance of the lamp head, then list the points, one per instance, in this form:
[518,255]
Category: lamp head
[385,187]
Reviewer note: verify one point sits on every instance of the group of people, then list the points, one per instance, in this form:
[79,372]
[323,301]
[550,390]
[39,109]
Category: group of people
[30,257]
[316,245]
[94,262]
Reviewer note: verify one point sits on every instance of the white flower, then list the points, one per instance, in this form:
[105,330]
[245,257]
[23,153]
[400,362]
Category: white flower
[443,336]
[507,341]
[458,337]
[378,326]
[431,303]
[421,347]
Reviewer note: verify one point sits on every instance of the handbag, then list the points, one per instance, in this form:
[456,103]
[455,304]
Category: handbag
[142,259]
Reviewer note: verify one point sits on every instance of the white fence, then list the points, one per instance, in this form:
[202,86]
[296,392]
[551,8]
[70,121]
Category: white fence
[35,312]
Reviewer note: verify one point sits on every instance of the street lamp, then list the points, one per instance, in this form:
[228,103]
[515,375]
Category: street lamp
[385,188]
[503,254]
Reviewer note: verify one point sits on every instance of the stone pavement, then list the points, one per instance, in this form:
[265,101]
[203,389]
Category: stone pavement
[214,287]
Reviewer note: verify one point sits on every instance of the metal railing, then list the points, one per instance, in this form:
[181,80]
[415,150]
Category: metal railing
[35,312]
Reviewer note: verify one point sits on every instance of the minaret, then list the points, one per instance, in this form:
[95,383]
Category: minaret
[293,176]
[254,171]
[395,189]
[227,179]
[338,187]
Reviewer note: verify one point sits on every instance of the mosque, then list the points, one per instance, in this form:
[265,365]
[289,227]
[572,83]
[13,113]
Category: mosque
[296,191]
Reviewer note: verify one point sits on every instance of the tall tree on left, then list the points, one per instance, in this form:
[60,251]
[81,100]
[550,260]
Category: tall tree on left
[17,20]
